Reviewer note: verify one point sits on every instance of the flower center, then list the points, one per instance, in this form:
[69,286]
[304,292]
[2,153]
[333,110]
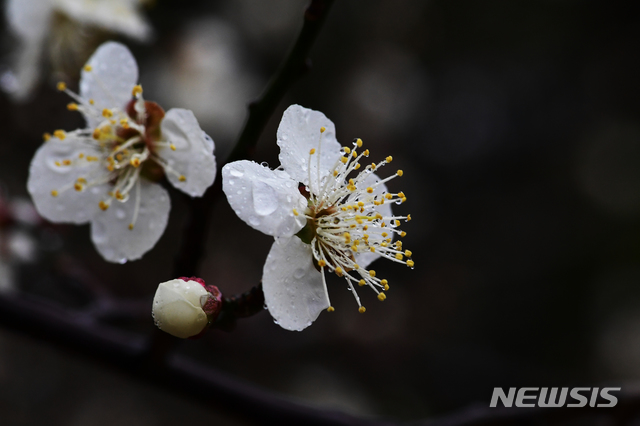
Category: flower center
[348,221]
[122,143]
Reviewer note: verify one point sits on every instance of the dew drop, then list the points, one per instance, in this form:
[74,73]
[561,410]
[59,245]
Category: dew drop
[264,164]
[237,171]
[120,214]
[265,200]
[298,273]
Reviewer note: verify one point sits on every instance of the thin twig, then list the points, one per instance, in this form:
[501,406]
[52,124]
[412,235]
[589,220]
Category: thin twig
[295,64]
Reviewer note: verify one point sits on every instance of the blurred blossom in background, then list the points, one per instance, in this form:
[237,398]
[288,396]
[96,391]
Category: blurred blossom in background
[59,35]
[517,127]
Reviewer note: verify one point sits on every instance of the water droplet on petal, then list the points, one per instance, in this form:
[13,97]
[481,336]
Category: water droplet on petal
[120,214]
[265,200]
[298,273]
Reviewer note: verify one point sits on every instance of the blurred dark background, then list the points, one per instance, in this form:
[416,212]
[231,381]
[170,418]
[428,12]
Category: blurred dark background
[516,125]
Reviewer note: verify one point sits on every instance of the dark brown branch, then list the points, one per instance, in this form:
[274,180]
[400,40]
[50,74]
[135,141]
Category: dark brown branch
[295,64]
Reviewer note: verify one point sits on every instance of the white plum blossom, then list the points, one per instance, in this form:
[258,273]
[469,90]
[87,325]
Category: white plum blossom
[326,215]
[184,307]
[105,174]
[67,30]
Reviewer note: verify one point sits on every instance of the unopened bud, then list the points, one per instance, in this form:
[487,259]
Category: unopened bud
[185,307]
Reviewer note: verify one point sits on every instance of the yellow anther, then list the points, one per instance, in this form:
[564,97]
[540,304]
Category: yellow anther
[365,237]
[96,134]
[104,206]
[295,212]
[384,282]
[366,154]
[119,156]
[131,227]
[81,180]
[72,106]
[410,263]
[135,162]
[403,199]
[372,273]
[372,249]
[92,158]
[357,166]
[119,196]
[77,186]
[322,263]
[399,172]
[370,190]
[182,178]
[107,113]
[335,173]
[346,150]
[61,86]
[354,248]
[388,196]
[359,142]
[54,193]
[66,162]
[344,160]
[403,234]
[330,309]
[373,166]
[354,154]
[91,101]
[124,123]
[339,271]
[360,203]
[322,129]
[81,155]
[312,151]
[137,90]
[362,309]
[383,244]
[57,163]
[381,296]
[352,182]
[408,253]
[399,245]
[408,217]
[110,167]
[397,222]
[384,234]
[399,256]
[401,194]
[46,136]
[389,159]
[379,216]
[361,283]
[347,236]
[356,266]
[365,227]
[60,134]
[88,68]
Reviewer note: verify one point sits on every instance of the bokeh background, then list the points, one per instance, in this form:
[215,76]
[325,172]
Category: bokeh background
[517,127]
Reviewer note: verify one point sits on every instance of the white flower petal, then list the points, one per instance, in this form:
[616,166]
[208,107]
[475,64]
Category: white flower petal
[263,198]
[193,155]
[293,289]
[298,133]
[364,259]
[177,308]
[29,19]
[121,16]
[45,175]
[113,74]
[110,229]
